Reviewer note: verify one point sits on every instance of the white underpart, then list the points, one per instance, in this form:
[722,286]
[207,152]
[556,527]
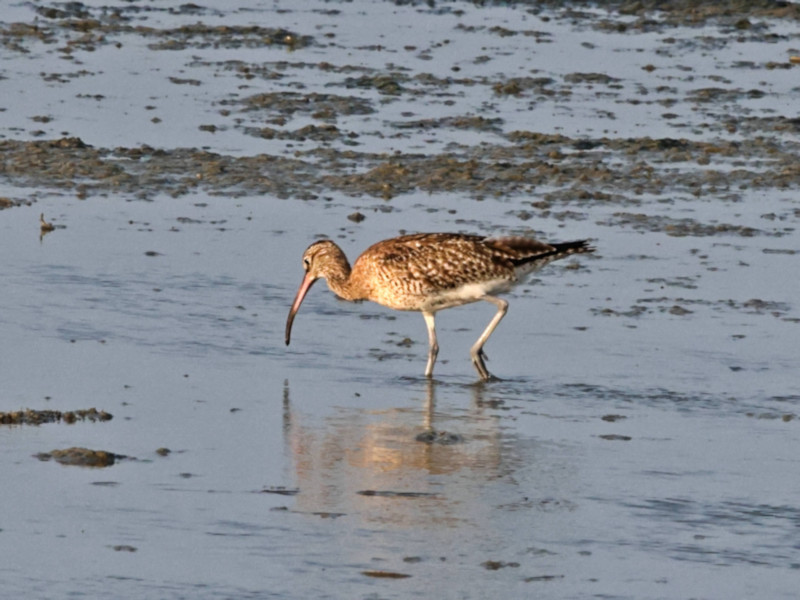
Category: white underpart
[471,292]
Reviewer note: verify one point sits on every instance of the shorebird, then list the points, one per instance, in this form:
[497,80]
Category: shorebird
[428,272]
[44,225]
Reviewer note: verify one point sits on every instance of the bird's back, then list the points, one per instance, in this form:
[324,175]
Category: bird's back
[430,271]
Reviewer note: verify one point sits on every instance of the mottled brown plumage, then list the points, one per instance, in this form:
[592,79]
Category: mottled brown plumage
[429,272]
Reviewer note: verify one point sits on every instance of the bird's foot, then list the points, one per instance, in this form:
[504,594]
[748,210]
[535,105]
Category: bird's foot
[477,360]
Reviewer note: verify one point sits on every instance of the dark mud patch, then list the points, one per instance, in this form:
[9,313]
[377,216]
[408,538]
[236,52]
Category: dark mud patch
[603,174]
[317,133]
[613,418]
[444,438]
[677,306]
[785,417]
[76,20]
[395,494]
[538,578]
[681,227]
[11,202]
[474,123]
[85,28]
[199,36]
[496,565]
[319,106]
[731,13]
[39,417]
[680,401]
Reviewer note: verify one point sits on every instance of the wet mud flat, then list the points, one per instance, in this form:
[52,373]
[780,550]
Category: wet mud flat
[642,442]
[718,136]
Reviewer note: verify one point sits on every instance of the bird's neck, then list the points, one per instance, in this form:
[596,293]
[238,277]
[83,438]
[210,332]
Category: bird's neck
[341,283]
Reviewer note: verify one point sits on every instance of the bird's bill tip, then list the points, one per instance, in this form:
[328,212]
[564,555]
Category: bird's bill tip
[308,281]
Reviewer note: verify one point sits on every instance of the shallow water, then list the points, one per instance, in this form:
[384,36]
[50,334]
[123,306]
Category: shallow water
[642,441]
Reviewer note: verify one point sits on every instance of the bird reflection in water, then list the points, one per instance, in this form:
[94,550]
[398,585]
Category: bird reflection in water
[372,462]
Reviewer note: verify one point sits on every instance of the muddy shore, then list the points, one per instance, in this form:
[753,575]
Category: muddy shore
[728,152]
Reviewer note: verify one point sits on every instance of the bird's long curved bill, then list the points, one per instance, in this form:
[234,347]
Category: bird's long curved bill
[308,281]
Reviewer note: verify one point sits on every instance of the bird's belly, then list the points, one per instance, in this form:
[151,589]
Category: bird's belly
[433,300]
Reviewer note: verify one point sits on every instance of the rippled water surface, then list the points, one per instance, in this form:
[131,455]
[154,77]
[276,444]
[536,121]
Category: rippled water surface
[643,439]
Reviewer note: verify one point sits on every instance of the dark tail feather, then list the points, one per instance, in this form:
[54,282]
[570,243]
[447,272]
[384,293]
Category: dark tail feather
[577,247]
[559,250]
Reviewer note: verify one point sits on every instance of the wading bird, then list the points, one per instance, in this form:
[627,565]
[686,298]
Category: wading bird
[428,272]
[45,225]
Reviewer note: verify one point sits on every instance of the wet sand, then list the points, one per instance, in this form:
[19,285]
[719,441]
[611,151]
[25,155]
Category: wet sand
[642,442]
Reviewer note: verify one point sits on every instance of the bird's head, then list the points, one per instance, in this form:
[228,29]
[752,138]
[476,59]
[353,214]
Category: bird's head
[320,260]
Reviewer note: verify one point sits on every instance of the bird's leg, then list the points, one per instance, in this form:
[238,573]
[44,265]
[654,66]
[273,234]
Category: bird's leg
[433,345]
[477,349]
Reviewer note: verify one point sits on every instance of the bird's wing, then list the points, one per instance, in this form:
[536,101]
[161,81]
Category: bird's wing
[434,262]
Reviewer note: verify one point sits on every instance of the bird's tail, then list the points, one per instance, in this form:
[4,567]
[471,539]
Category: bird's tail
[554,252]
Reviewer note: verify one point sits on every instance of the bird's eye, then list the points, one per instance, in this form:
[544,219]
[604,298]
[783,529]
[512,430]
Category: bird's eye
[306,264]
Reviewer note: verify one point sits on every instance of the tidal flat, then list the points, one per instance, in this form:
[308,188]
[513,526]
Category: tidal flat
[642,442]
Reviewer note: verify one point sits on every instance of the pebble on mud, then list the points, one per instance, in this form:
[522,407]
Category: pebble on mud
[496,565]
[393,494]
[81,457]
[439,437]
[542,578]
[612,418]
[386,574]
[280,490]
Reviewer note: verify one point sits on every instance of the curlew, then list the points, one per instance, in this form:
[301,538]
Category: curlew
[428,272]
[45,225]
